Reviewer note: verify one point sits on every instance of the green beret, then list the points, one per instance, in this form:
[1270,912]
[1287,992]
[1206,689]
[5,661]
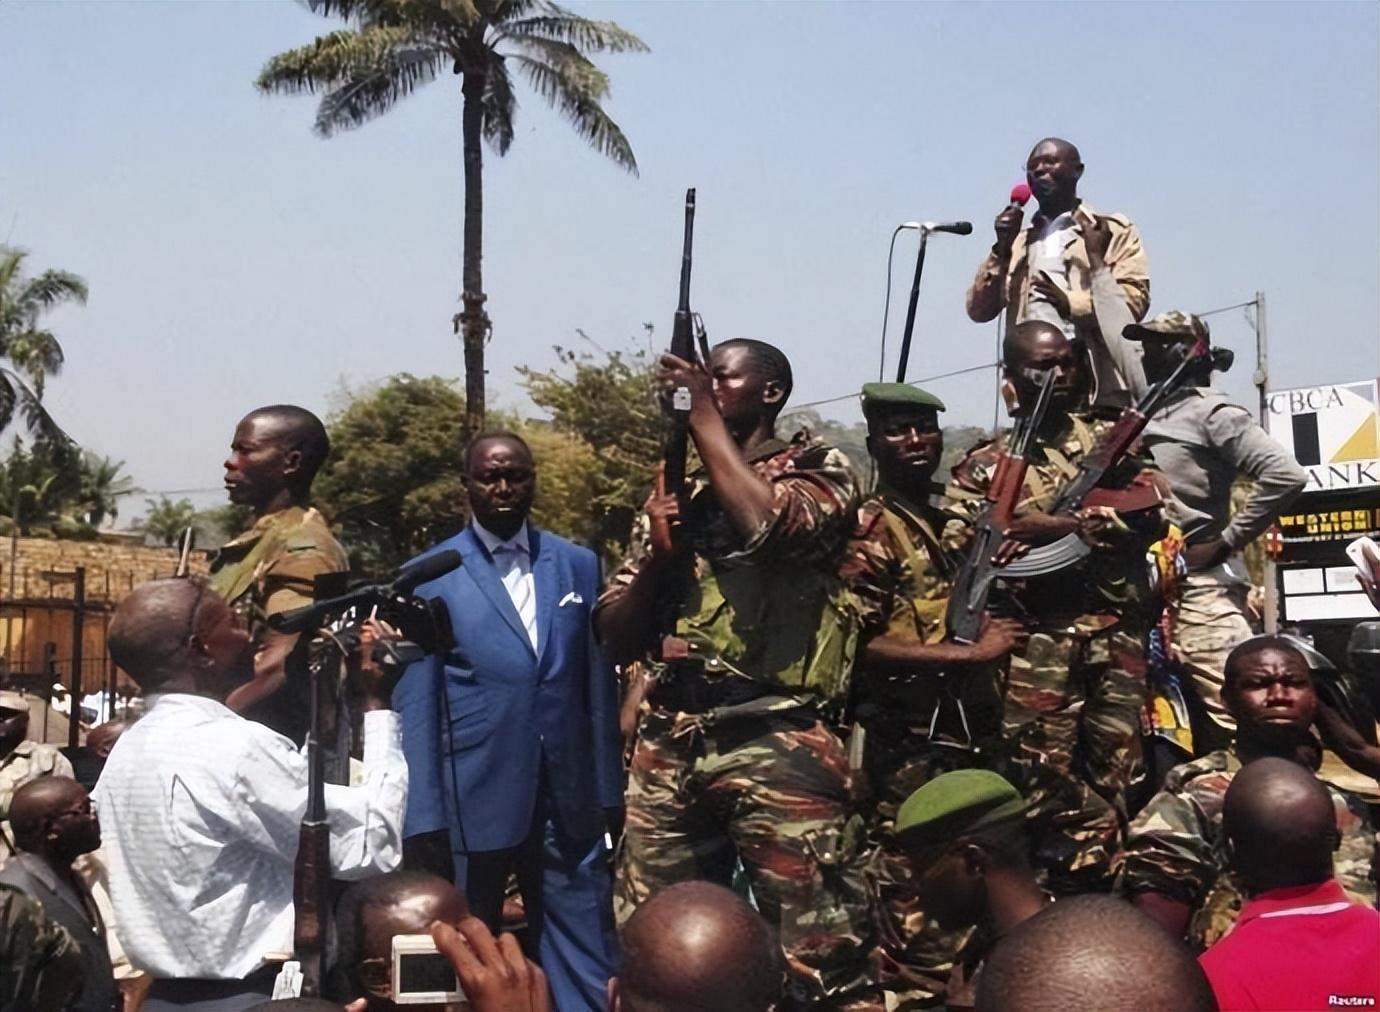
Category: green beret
[898,395]
[955,804]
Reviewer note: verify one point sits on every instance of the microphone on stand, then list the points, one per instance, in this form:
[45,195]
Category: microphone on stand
[926,228]
[951,227]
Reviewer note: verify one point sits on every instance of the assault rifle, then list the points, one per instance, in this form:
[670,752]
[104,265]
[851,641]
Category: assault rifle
[968,600]
[1108,452]
[686,328]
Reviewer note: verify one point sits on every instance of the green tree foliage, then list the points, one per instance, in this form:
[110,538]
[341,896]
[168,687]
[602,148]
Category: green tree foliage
[54,490]
[392,482]
[166,520]
[32,349]
[101,486]
[393,47]
[607,401]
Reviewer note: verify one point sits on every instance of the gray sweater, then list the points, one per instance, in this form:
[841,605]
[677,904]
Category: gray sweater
[1201,441]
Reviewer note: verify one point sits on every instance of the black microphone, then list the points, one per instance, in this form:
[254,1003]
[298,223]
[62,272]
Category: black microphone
[424,570]
[409,577]
[952,227]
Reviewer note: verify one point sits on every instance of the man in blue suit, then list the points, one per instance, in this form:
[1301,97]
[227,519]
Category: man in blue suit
[511,738]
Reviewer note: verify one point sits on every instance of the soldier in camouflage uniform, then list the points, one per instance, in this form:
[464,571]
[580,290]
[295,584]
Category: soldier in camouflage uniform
[1074,692]
[1174,866]
[738,759]
[922,704]
[271,567]
[21,760]
[40,964]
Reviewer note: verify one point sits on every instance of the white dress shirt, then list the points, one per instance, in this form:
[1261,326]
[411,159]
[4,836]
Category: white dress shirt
[200,811]
[513,560]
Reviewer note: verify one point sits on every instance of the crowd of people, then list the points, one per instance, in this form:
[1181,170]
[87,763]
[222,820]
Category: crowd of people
[754,766]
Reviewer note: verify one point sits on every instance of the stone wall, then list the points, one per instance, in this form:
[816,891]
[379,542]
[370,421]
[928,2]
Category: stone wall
[37,609]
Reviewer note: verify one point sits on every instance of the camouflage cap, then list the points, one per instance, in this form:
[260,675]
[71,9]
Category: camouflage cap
[13,701]
[1171,325]
[898,395]
[955,804]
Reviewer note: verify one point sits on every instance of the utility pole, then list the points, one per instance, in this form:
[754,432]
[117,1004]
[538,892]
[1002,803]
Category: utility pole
[1261,378]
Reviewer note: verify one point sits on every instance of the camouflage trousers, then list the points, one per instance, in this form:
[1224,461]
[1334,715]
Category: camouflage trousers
[1209,619]
[1072,723]
[771,790]
[912,956]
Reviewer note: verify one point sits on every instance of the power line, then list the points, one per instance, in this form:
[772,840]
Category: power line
[922,379]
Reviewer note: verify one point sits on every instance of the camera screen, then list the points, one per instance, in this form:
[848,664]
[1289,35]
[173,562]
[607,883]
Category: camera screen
[426,971]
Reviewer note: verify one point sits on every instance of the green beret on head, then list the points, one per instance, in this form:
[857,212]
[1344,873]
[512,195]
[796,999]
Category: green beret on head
[898,395]
[956,804]
[1170,326]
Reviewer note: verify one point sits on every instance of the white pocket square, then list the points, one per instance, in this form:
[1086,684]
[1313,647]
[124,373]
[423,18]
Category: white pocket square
[571,598]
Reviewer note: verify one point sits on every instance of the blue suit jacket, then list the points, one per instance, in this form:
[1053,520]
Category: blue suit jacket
[486,723]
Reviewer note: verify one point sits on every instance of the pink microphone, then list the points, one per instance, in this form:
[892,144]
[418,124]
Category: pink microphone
[1020,194]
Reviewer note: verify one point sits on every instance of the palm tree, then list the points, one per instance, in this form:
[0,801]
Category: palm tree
[395,46]
[165,519]
[100,488]
[30,348]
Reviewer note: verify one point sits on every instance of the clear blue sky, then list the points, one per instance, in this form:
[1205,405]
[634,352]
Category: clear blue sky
[236,259]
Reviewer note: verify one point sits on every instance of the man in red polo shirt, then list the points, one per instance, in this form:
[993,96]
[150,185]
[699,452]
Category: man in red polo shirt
[1299,944]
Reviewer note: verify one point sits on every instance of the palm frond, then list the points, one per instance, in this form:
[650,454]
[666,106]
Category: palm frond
[560,25]
[37,353]
[361,72]
[568,64]
[568,93]
[500,105]
[15,394]
[371,93]
[52,288]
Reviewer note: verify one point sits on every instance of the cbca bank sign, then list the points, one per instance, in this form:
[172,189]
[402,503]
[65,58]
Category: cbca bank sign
[1333,431]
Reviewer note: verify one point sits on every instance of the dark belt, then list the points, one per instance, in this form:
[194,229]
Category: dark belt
[192,992]
[688,689]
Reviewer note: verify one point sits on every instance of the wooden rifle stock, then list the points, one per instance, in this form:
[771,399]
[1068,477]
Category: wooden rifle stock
[311,874]
[968,600]
[1112,447]
[683,347]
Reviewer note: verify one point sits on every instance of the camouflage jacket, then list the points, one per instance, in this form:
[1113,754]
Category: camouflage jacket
[36,955]
[1175,847]
[1113,581]
[901,569]
[29,761]
[769,608]
[271,567]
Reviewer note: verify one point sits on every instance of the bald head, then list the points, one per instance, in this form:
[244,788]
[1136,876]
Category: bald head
[178,635]
[1090,946]
[150,626]
[1282,825]
[1059,145]
[1028,339]
[295,429]
[374,910]
[53,817]
[102,738]
[697,947]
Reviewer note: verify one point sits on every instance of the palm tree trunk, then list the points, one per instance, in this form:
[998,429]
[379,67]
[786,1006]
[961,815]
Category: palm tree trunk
[473,323]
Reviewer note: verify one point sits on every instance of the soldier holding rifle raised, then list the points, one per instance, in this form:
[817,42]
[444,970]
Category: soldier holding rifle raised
[732,585]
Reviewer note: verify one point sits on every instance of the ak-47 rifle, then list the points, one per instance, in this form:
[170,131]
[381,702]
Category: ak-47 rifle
[1108,452]
[683,333]
[968,600]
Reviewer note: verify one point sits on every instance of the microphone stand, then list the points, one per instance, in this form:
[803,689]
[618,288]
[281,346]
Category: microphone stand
[910,308]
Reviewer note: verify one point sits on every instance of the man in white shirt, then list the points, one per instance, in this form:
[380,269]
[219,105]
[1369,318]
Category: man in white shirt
[200,808]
